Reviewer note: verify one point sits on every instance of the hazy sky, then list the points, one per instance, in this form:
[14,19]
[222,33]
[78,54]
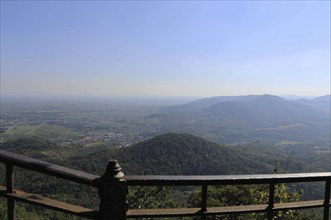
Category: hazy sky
[165,48]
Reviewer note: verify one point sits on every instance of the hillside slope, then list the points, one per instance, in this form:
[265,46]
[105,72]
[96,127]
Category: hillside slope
[179,154]
[321,104]
[248,118]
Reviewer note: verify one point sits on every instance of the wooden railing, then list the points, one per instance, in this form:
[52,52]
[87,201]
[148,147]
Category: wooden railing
[113,185]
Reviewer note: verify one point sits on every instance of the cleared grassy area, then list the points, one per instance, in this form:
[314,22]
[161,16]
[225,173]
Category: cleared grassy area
[49,132]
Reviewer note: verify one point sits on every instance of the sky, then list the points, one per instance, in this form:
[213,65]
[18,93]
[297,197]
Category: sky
[165,48]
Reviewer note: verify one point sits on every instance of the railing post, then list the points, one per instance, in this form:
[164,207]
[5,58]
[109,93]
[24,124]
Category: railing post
[10,189]
[271,201]
[327,200]
[112,192]
[204,200]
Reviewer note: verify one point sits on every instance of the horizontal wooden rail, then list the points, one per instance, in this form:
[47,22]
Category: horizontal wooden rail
[176,212]
[48,168]
[49,203]
[225,179]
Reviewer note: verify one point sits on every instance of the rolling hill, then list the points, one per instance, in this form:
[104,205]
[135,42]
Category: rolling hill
[321,103]
[182,154]
[247,118]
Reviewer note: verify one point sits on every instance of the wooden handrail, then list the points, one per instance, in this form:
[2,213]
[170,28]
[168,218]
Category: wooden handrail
[168,180]
[48,168]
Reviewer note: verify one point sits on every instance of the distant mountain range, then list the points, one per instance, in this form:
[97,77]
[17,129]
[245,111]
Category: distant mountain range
[321,103]
[251,117]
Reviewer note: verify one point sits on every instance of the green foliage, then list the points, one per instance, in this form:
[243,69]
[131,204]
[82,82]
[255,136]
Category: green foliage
[184,154]
[20,211]
[31,147]
[219,196]
[151,197]
[3,209]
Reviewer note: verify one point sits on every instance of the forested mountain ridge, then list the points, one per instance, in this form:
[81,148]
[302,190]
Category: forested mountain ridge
[185,154]
[263,111]
[321,103]
[247,118]
[206,102]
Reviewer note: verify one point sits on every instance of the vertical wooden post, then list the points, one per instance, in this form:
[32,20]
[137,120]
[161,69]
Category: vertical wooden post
[327,200]
[10,189]
[203,200]
[112,192]
[271,201]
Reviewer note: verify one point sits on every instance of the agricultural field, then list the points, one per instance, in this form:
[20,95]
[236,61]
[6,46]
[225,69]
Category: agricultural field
[53,133]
